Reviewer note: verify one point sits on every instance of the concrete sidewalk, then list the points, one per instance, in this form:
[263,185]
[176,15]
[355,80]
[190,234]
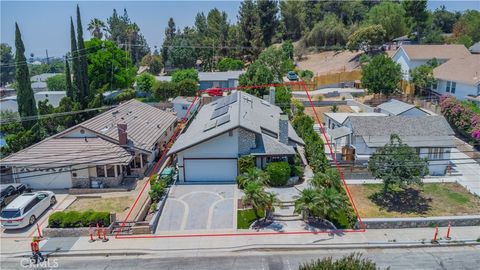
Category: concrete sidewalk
[172,244]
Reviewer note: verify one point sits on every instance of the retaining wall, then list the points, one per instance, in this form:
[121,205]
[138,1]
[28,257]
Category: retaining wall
[398,223]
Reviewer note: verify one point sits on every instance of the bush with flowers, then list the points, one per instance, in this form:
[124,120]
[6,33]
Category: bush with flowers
[461,116]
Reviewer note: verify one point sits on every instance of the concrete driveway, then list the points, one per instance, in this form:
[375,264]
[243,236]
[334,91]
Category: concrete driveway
[199,208]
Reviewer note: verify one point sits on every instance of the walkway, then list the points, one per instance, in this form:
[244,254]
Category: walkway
[470,171]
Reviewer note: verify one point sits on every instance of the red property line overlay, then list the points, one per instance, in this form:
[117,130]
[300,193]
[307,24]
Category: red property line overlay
[176,133]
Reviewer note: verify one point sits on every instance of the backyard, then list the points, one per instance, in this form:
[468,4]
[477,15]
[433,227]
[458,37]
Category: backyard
[433,199]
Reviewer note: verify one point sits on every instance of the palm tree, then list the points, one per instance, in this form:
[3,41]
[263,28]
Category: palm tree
[330,178]
[96,28]
[255,196]
[252,175]
[269,204]
[330,201]
[307,204]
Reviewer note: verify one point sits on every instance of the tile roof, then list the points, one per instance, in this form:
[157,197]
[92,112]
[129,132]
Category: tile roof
[427,52]
[54,152]
[248,112]
[465,69]
[395,107]
[145,123]
[425,126]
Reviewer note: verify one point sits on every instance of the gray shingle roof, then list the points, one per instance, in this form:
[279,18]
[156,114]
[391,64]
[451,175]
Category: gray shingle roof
[219,76]
[248,112]
[425,126]
[395,107]
[54,152]
[340,132]
[271,146]
[145,123]
[412,141]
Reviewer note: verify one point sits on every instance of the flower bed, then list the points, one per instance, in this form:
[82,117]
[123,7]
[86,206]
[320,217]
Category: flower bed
[464,119]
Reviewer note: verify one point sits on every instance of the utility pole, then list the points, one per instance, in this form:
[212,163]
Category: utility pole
[48,60]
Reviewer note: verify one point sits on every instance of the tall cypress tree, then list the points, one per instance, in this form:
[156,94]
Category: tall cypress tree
[76,67]
[25,97]
[82,57]
[268,10]
[68,79]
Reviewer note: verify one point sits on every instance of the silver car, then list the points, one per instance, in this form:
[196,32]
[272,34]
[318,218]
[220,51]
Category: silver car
[26,208]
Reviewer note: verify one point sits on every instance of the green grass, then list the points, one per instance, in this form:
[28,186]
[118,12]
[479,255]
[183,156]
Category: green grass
[245,218]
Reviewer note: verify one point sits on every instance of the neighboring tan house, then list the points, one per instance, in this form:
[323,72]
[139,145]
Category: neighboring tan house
[412,56]
[101,151]
[399,108]
[228,128]
[431,136]
[459,77]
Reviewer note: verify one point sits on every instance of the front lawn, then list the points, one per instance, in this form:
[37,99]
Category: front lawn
[433,199]
[117,205]
[245,218]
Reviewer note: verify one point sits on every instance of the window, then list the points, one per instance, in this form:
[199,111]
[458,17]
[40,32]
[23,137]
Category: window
[435,153]
[454,86]
[434,86]
[184,107]
[448,86]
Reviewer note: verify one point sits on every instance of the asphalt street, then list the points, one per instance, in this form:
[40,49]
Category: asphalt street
[418,258]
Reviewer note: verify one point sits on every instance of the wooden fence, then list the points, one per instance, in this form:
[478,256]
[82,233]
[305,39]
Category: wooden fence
[329,79]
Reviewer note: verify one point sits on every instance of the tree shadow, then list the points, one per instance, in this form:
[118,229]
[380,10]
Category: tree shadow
[409,200]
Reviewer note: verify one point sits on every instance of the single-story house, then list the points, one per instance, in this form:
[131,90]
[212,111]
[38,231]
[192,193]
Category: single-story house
[221,79]
[412,56]
[101,151]
[230,127]
[459,77]
[53,97]
[431,136]
[181,105]
[399,108]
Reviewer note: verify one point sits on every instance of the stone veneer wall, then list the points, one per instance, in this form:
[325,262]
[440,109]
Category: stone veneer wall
[84,182]
[246,141]
[397,223]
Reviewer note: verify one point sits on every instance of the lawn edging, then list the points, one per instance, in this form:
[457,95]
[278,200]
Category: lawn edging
[419,222]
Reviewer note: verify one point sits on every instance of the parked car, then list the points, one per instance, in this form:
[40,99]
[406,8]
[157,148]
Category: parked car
[9,192]
[292,76]
[214,92]
[25,209]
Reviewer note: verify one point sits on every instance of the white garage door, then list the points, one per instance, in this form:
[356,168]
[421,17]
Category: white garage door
[46,179]
[210,170]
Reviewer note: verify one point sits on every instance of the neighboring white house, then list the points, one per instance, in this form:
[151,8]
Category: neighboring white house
[123,141]
[181,105]
[53,97]
[399,108]
[228,128]
[412,56]
[431,136]
[459,77]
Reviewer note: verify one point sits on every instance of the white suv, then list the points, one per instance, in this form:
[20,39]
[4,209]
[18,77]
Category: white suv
[25,209]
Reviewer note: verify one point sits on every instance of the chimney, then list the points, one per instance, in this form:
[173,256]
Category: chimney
[271,95]
[122,134]
[283,128]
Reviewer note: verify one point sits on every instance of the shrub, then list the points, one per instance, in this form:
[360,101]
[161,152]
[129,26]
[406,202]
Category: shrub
[279,173]
[230,64]
[74,219]
[306,75]
[157,190]
[153,207]
[297,170]
[245,163]
[185,74]
[353,261]
[461,116]
[153,179]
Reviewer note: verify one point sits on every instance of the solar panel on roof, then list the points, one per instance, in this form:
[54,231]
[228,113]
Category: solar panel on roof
[224,119]
[233,99]
[220,104]
[210,125]
[219,112]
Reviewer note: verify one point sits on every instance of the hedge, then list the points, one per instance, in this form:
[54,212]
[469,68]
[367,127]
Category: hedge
[75,219]
[245,163]
[279,173]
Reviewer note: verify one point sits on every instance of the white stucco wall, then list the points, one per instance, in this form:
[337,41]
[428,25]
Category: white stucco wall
[461,92]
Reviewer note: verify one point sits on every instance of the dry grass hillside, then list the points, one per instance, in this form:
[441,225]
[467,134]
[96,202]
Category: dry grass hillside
[330,61]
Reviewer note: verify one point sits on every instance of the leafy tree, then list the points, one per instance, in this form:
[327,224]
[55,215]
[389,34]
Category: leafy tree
[25,97]
[397,164]
[167,41]
[252,175]
[109,67]
[381,75]
[366,38]
[230,64]
[187,87]
[153,62]
[68,81]
[293,18]
[184,74]
[57,83]
[417,15]
[82,54]
[126,95]
[96,28]
[250,29]
[444,19]
[267,10]
[353,261]
[327,32]
[433,36]
[468,24]
[287,47]
[165,90]
[422,76]
[465,40]
[145,82]
[283,98]
[7,64]
[391,16]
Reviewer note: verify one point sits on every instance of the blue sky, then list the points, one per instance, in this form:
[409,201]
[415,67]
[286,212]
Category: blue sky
[45,24]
